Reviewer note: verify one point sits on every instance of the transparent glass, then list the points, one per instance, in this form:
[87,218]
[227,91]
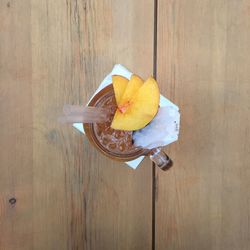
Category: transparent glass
[161,159]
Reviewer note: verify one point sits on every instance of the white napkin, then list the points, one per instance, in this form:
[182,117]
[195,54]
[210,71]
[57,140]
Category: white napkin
[121,70]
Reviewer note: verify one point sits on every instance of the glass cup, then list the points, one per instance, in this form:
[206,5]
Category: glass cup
[105,98]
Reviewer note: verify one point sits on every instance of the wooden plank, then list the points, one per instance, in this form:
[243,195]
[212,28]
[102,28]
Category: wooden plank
[16,203]
[203,66]
[81,199]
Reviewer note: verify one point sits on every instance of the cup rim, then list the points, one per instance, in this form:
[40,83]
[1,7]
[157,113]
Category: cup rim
[88,127]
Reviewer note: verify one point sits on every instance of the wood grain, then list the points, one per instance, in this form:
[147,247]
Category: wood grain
[68,195]
[16,179]
[203,66]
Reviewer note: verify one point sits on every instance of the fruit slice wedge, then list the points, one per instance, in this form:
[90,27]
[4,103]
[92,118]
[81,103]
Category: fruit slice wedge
[119,84]
[133,86]
[138,110]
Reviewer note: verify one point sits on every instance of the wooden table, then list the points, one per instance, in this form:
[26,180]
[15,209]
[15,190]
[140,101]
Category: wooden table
[58,192]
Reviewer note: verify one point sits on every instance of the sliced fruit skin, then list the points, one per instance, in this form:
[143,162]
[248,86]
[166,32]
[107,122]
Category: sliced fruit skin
[119,84]
[140,109]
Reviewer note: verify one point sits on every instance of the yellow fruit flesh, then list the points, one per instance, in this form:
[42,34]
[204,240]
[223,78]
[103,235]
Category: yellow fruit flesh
[140,109]
[119,85]
[132,87]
